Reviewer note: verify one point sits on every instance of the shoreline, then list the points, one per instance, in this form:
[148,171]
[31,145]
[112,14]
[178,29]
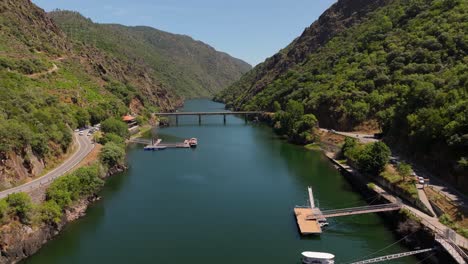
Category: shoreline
[403,223]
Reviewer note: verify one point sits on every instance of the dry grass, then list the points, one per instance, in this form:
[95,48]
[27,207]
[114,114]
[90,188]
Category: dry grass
[459,216]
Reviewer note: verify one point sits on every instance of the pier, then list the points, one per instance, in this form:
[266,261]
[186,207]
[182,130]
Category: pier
[151,144]
[246,114]
[310,218]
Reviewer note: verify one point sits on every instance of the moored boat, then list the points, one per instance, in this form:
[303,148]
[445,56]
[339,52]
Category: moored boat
[193,142]
[310,257]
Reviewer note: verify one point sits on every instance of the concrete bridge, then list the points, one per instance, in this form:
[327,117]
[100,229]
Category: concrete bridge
[246,114]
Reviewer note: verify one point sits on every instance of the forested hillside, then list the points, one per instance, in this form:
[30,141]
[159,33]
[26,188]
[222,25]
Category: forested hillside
[50,85]
[189,67]
[401,68]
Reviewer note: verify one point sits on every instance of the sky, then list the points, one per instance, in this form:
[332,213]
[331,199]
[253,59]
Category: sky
[251,30]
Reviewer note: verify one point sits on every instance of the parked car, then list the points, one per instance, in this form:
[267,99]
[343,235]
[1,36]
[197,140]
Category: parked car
[421,181]
[81,133]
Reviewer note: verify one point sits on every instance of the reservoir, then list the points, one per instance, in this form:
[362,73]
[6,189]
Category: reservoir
[228,201]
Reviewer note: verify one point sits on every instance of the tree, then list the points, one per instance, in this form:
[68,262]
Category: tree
[3,209]
[82,117]
[111,137]
[295,109]
[90,183]
[276,106]
[116,126]
[20,204]
[50,212]
[112,155]
[349,144]
[374,157]
[404,169]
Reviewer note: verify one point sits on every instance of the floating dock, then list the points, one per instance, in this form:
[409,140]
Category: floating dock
[307,223]
[306,226]
[158,145]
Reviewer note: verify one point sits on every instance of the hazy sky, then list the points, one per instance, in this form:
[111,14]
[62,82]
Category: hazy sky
[251,30]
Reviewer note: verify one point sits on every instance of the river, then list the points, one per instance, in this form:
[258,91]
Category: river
[228,201]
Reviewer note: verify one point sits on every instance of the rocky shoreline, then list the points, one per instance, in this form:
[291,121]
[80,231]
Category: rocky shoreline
[19,241]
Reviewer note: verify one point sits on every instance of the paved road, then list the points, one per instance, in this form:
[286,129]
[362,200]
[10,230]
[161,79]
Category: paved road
[364,138]
[84,148]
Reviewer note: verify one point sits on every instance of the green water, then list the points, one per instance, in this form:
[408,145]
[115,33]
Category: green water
[228,201]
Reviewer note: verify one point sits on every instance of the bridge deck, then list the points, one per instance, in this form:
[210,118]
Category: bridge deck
[210,113]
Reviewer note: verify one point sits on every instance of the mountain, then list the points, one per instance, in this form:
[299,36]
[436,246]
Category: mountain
[399,66]
[189,67]
[51,83]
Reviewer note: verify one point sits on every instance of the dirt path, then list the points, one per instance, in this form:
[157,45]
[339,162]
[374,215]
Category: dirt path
[49,71]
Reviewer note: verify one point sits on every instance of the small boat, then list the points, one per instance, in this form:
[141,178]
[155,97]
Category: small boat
[322,222]
[193,142]
[309,257]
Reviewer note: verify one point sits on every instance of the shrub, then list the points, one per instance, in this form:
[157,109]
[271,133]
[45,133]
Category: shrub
[111,137]
[112,155]
[20,204]
[50,212]
[89,180]
[113,125]
[3,209]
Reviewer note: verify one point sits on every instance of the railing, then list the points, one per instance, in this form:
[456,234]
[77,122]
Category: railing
[359,210]
[393,256]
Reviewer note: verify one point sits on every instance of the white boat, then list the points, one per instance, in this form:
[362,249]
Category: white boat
[193,142]
[309,257]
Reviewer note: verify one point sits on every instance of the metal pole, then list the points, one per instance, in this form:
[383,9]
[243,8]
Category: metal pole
[311,198]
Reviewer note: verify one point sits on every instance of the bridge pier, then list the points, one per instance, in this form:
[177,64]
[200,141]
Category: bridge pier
[199,119]
[177,120]
[224,119]
[245,118]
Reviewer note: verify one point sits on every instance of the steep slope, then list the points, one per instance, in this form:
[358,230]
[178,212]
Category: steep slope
[189,67]
[401,67]
[336,19]
[49,86]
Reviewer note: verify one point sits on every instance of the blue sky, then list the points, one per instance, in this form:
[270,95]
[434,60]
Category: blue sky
[251,30]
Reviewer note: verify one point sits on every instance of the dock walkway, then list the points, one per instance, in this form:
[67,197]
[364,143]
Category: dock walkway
[452,244]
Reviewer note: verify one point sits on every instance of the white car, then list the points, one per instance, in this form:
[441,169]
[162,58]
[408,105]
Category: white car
[421,181]
[81,133]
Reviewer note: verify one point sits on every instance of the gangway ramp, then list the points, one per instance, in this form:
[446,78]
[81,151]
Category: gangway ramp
[357,210]
[393,256]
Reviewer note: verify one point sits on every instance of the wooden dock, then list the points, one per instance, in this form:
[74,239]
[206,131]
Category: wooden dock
[306,226]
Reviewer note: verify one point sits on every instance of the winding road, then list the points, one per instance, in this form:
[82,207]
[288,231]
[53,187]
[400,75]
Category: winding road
[84,145]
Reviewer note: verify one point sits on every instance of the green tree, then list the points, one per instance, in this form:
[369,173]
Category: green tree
[3,209]
[404,169]
[276,106]
[374,157]
[90,183]
[111,137]
[50,212]
[112,155]
[20,204]
[116,126]
[82,117]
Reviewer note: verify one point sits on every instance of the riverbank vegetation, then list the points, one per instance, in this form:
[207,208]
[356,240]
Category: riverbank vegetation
[403,67]
[293,123]
[373,160]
